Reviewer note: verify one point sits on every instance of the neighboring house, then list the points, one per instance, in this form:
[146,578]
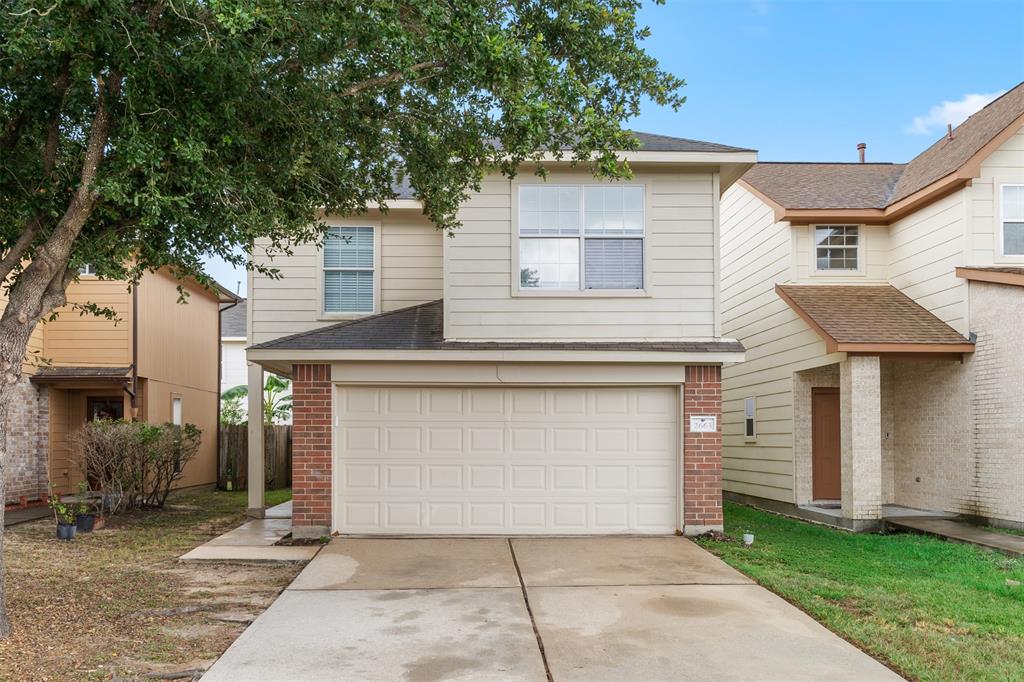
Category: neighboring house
[158,363]
[233,370]
[234,367]
[882,309]
[554,367]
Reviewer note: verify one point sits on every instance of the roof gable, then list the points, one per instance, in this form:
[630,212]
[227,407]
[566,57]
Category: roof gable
[881,187]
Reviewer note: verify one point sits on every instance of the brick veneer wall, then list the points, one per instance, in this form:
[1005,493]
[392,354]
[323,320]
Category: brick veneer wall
[702,452]
[997,366]
[311,450]
[28,439]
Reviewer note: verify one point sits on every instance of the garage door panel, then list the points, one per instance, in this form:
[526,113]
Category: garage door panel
[506,460]
[488,517]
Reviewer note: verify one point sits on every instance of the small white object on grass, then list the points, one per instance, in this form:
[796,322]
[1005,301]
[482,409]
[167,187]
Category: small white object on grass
[748,539]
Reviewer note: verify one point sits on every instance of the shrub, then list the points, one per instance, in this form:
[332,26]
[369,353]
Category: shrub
[134,464]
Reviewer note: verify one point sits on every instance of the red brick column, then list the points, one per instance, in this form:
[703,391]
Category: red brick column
[311,450]
[702,452]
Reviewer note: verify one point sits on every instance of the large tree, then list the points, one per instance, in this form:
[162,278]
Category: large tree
[146,134]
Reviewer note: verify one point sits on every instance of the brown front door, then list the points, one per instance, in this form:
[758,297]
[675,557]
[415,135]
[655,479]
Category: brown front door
[825,466]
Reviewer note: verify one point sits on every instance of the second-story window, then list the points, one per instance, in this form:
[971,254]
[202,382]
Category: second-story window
[577,237]
[348,270]
[836,247]
[1013,220]
[87,269]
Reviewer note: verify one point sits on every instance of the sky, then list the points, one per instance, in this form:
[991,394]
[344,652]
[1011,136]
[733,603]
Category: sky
[807,81]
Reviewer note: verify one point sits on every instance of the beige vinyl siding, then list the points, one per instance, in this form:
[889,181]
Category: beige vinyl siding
[680,277]
[68,411]
[178,342]
[757,253]
[198,407]
[85,340]
[410,273]
[873,255]
[924,250]
[1003,166]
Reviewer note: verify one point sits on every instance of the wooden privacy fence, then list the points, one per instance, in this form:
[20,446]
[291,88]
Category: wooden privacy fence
[233,459]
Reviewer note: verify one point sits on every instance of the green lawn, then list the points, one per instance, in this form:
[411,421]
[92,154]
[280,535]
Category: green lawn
[933,610]
[271,497]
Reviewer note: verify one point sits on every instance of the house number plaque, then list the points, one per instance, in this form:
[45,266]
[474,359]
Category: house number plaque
[703,423]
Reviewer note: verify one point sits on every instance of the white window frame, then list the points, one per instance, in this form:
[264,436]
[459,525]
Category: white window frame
[750,413]
[87,270]
[582,291]
[812,236]
[322,314]
[1001,254]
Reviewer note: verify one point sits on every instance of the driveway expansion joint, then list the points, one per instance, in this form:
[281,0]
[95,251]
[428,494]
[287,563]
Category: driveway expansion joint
[533,621]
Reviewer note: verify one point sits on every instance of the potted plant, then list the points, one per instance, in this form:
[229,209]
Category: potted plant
[85,518]
[65,516]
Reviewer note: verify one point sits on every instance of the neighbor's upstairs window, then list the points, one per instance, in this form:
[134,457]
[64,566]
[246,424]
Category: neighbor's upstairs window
[348,270]
[836,247]
[1013,220]
[579,237]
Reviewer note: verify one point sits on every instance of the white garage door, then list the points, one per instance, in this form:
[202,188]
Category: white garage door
[492,460]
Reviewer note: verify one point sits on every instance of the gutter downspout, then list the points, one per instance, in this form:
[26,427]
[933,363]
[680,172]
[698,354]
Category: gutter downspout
[134,392]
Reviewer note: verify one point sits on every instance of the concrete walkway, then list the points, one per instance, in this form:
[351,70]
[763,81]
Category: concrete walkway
[961,531]
[255,540]
[533,609]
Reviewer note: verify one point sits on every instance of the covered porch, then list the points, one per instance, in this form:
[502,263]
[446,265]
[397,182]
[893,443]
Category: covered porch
[881,428]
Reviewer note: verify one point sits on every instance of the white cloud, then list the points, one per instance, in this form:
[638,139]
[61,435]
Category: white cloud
[955,112]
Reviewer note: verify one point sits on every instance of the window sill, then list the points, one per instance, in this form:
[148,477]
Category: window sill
[837,273]
[342,317]
[584,293]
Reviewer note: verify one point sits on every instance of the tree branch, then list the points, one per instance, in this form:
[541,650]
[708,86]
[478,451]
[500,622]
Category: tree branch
[15,253]
[49,267]
[392,77]
[60,87]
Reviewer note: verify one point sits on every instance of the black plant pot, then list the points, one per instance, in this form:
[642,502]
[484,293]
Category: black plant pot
[66,531]
[85,522]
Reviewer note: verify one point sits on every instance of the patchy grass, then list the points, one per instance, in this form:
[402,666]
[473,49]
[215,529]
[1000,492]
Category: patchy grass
[116,602]
[1005,531]
[933,610]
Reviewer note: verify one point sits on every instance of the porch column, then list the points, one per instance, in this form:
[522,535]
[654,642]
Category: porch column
[256,465]
[702,451]
[312,457]
[860,409]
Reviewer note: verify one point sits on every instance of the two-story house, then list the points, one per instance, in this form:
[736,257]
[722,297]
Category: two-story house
[882,309]
[554,367]
[157,362]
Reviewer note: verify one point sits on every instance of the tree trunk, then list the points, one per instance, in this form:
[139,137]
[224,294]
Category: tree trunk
[41,286]
[13,343]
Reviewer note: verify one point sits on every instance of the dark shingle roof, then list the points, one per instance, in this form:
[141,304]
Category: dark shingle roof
[420,328]
[879,185]
[872,314]
[826,185]
[232,320]
[1004,269]
[651,142]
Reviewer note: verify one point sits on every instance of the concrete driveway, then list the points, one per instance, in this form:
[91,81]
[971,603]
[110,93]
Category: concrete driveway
[533,609]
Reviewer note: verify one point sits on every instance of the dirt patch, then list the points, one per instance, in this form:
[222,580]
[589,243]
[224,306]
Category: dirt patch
[117,604]
[713,536]
[289,541]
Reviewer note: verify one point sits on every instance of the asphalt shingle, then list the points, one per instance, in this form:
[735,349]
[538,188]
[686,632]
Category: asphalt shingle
[420,327]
